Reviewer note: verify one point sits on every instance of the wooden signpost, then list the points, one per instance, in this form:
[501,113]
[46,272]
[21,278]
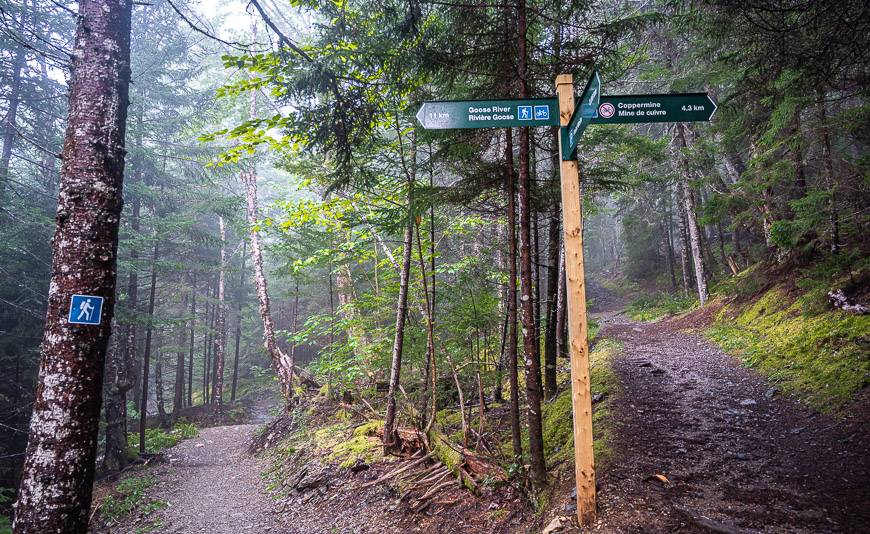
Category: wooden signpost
[593,109]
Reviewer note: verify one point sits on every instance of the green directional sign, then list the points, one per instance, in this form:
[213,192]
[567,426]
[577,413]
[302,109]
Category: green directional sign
[450,114]
[627,109]
[583,116]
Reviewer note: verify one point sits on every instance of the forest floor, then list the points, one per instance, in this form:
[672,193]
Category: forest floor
[734,455]
[700,444]
[210,484]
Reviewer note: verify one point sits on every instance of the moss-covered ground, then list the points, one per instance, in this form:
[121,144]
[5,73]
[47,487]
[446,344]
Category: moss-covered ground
[557,414]
[814,353]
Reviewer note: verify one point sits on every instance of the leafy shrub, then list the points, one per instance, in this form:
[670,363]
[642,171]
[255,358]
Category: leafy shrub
[651,307]
[130,496]
[157,439]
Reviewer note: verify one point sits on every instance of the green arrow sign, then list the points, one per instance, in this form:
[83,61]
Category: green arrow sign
[626,109]
[450,114]
[582,117]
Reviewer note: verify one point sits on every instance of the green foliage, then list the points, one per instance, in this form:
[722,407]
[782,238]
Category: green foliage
[817,354]
[158,439]
[6,495]
[810,213]
[652,307]
[129,496]
[557,414]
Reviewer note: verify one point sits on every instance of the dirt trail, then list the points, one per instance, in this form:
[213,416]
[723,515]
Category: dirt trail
[738,457]
[213,486]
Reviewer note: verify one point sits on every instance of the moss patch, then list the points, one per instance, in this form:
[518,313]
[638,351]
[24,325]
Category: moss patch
[356,449]
[652,307]
[557,414]
[817,354]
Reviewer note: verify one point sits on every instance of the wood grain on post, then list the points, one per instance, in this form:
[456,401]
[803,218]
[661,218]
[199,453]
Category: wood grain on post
[581,396]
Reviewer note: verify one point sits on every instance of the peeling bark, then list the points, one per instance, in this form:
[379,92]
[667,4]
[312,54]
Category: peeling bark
[692,222]
[58,473]
[240,298]
[281,363]
[220,343]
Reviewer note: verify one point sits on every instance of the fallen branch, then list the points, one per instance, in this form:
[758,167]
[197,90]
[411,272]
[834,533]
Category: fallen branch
[399,471]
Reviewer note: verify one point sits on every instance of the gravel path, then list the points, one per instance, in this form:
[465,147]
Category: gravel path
[213,486]
[736,455]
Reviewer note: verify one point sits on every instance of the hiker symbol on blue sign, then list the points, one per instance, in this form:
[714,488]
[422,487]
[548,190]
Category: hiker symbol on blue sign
[525,113]
[85,309]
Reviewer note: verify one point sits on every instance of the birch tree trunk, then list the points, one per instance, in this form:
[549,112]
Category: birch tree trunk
[240,298]
[685,262]
[58,472]
[562,306]
[220,323]
[692,223]
[281,363]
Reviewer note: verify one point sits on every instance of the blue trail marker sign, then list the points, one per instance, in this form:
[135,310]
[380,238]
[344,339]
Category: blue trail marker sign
[85,309]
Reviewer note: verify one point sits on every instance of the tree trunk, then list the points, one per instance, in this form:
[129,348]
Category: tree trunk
[281,363]
[122,365]
[513,373]
[220,323]
[562,307]
[692,223]
[130,330]
[192,335]
[685,262]
[829,172]
[158,386]
[552,292]
[146,359]
[117,383]
[669,248]
[532,359]
[536,269]
[390,423]
[9,122]
[211,310]
[178,394]
[58,472]
[240,298]
[430,339]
